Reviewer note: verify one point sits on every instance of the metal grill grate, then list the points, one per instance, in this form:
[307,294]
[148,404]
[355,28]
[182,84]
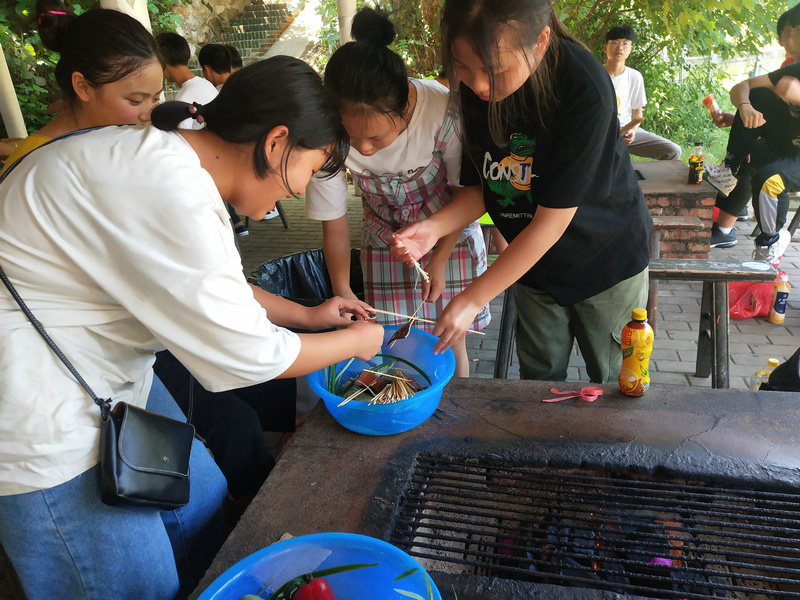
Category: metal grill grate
[589,529]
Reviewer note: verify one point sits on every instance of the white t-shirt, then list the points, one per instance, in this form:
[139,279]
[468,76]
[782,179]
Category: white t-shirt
[120,244]
[629,87]
[196,89]
[413,149]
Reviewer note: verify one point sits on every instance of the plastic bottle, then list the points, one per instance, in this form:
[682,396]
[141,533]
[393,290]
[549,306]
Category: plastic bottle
[780,293]
[696,163]
[637,344]
[762,375]
[713,108]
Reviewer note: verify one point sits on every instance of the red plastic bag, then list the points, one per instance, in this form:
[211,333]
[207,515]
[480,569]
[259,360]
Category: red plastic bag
[749,299]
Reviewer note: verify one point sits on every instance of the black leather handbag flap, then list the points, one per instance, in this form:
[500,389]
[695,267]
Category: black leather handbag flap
[153,443]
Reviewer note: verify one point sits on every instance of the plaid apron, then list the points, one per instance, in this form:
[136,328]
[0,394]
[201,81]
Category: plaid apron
[391,202]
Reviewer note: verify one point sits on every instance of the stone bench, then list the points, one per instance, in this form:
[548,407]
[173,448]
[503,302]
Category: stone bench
[667,194]
[712,341]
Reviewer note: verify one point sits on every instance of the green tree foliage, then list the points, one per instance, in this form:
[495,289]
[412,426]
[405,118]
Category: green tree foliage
[669,32]
[32,65]
[418,41]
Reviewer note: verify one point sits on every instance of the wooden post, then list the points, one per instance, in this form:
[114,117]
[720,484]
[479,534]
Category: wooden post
[9,106]
[346,10]
[135,8]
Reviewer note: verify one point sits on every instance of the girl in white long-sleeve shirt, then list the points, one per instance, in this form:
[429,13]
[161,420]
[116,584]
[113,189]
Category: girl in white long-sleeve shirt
[89,254]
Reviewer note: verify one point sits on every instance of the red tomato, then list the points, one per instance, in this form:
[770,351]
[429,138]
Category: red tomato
[316,589]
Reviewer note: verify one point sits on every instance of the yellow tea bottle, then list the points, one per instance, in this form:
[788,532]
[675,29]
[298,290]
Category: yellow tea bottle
[780,293]
[696,163]
[637,344]
[762,375]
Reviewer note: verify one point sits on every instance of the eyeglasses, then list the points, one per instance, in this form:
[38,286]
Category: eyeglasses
[621,44]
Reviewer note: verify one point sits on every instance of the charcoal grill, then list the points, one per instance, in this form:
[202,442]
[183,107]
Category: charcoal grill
[517,499]
[628,534]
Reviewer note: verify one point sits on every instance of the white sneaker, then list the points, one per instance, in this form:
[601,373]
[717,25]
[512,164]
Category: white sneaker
[773,253]
[270,215]
[721,178]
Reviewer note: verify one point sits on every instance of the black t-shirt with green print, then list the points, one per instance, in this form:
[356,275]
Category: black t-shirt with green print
[577,159]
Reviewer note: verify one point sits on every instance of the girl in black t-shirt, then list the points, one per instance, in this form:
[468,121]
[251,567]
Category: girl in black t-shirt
[544,157]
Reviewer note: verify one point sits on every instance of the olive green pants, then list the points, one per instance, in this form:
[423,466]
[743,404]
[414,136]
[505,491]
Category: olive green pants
[546,332]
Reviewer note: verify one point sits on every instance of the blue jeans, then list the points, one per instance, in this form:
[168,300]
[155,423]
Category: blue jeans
[65,543]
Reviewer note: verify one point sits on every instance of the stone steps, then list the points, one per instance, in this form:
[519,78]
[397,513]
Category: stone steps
[253,32]
[258,26]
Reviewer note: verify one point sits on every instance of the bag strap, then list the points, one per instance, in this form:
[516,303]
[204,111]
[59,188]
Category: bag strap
[104,404]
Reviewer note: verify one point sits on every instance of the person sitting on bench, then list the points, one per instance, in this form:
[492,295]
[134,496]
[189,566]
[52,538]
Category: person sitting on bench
[732,204]
[767,128]
[629,87]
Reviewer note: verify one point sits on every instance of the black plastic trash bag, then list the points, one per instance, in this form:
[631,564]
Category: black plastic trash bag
[785,377]
[303,277]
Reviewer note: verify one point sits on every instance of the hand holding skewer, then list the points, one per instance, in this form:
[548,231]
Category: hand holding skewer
[420,319]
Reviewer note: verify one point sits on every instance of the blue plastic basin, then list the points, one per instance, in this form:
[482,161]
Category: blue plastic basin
[265,571]
[387,419]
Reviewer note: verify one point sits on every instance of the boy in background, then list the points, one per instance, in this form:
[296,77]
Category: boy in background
[629,87]
[215,60]
[177,54]
[236,58]
[735,184]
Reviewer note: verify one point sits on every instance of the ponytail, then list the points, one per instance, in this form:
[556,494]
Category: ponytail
[53,19]
[169,115]
[281,90]
[366,74]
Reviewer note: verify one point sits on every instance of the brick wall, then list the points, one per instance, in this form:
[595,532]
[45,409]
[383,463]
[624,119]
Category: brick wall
[667,193]
[684,244]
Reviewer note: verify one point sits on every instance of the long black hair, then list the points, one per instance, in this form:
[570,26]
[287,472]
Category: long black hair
[482,22]
[281,90]
[365,74]
[103,45]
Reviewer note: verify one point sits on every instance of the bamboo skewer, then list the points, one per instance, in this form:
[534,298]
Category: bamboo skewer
[394,314]
[388,375]
[417,266]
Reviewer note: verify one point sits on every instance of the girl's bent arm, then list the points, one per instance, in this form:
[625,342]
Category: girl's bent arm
[547,226]
[318,350]
[336,312]
[418,238]
[336,248]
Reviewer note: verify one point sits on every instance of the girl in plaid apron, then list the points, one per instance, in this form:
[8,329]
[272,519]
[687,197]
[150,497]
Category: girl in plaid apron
[404,167]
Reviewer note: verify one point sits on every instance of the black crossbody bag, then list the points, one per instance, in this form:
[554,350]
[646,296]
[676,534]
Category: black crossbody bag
[144,456]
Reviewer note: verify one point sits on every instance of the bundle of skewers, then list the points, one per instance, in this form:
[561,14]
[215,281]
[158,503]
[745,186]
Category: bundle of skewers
[382,384]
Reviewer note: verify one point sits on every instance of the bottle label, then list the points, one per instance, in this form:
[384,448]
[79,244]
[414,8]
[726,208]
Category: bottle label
[637,344]
[695,169]
[780,302]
